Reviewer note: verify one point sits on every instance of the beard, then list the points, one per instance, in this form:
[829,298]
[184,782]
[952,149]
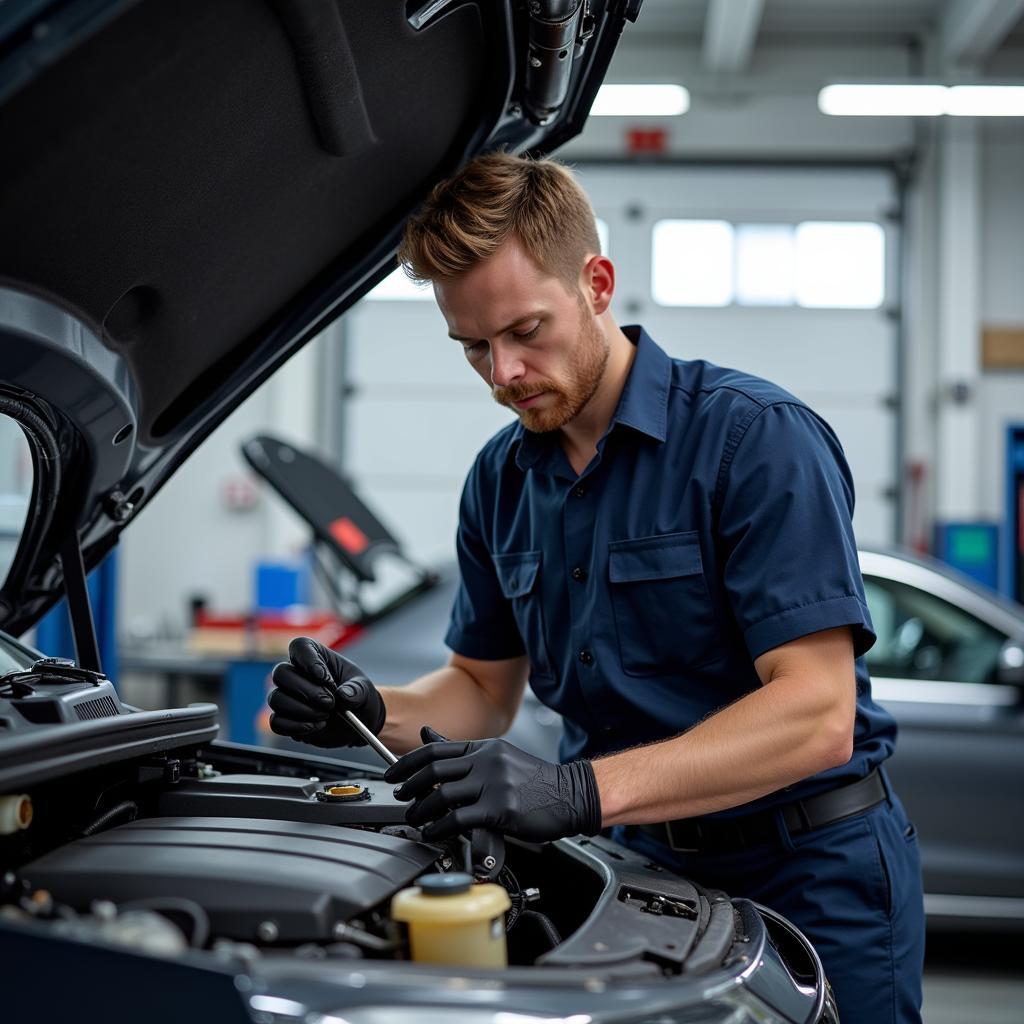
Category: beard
[565,399]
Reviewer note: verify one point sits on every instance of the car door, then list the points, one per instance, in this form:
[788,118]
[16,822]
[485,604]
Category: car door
[959,761]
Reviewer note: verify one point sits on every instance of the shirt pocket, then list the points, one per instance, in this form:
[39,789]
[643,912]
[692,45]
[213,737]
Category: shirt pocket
[519,579]
[664,617]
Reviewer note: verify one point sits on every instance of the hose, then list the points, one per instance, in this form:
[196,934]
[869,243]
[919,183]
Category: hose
[546,926]
[129,807]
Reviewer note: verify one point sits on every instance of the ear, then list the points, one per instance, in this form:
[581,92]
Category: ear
[597,281]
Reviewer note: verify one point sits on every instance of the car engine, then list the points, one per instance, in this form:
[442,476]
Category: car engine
[137,831]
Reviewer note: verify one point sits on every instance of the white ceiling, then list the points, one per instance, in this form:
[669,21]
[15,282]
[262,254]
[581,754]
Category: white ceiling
[831,22]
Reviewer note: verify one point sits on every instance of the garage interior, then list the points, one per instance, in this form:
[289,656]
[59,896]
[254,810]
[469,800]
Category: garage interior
[871,264]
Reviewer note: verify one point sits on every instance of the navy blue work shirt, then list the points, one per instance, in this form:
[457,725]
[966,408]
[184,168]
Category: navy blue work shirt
[712,525]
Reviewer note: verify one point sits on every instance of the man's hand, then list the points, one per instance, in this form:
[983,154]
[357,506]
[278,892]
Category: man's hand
[467,784]
[314,688]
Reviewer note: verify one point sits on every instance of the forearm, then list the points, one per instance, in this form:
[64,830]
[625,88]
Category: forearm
[449,700]
[769,739]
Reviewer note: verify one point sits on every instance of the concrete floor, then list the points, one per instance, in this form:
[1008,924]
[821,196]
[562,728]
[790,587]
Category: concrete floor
[973,979]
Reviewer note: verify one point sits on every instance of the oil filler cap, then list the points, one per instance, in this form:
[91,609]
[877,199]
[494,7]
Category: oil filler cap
[450,884]
[340,792]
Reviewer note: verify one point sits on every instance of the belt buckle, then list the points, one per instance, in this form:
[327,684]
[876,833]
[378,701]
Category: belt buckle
[670,828]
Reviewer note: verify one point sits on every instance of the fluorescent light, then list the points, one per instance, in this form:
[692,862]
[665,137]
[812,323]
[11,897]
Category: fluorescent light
[883,100]
[986,101]
[640,101]
[922,100]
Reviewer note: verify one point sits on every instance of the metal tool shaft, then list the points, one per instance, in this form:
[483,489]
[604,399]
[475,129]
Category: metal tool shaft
[370,737]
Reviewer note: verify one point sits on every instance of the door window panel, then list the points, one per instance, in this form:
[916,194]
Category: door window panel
[814,264]
[765,264]
[920,636]
[840,265]
[692,263]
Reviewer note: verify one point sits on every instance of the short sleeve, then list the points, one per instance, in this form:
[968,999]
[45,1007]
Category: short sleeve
[789,554]
[482,624]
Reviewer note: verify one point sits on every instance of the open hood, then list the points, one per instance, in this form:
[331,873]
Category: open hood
[193,190]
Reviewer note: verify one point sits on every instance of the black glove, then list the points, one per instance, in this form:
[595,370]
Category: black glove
[492,784]
[313,690]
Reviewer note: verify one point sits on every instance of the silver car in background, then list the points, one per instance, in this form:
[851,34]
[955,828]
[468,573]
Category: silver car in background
[949,664]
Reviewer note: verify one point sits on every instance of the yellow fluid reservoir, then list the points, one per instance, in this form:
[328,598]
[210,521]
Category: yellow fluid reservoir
[453,921]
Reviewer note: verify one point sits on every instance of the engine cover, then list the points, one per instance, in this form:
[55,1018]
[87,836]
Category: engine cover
[242,871]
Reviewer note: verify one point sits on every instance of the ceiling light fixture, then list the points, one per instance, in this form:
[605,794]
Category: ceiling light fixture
[921,100]
[882,100]
[640,101]
[986,101]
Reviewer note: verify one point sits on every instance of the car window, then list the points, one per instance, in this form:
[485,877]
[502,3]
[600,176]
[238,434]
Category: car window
[15,489]
[12,657]
[920,636]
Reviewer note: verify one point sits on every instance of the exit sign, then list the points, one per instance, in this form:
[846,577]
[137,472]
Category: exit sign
[646,140]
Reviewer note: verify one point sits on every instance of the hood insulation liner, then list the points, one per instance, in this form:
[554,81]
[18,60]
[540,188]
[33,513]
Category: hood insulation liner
[183,175]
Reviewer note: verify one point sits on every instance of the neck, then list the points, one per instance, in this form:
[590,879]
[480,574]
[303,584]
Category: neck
[581,434]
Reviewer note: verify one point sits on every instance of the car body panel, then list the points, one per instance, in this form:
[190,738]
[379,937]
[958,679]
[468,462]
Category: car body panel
[959,762]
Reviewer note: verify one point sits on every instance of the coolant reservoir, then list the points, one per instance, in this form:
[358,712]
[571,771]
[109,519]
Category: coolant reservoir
[452,921]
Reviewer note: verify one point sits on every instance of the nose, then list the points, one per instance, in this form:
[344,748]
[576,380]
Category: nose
[506,366]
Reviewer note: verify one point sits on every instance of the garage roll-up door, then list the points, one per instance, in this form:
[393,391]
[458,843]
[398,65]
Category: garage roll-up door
[841,360]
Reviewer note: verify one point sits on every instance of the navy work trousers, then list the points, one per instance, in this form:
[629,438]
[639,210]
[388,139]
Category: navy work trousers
[853,888]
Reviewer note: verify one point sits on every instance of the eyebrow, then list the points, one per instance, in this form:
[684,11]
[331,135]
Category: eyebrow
[536,315]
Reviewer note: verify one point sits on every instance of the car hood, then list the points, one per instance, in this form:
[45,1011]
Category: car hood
[191,191]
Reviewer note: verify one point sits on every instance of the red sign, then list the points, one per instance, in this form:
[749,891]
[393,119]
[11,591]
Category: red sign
[646,140]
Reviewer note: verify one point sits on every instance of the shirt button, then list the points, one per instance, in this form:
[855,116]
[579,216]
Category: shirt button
[578,491]
[586,657]
[579,573]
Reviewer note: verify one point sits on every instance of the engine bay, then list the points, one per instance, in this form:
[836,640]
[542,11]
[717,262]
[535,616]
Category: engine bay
[135,837]
[255,852]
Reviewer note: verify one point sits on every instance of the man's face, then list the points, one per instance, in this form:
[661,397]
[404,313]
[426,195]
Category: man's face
[538,347]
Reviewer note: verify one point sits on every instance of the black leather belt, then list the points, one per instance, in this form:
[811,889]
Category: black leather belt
[721,835]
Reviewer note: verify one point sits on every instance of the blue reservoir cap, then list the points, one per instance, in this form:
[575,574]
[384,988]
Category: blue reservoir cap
[445,885]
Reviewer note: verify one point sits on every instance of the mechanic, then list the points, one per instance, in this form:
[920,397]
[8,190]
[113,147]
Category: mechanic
[664,549]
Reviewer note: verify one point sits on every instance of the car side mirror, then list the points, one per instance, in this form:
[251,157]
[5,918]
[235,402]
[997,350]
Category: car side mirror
[1010,666]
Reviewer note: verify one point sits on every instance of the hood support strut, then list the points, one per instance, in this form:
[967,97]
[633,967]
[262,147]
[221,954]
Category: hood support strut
[87,652]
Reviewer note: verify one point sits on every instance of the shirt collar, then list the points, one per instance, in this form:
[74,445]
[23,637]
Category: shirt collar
[644,402]
[643,405]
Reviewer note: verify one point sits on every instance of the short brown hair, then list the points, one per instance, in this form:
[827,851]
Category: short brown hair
[467,218]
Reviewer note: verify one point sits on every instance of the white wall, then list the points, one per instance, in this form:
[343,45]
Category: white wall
[188,541]
[1001,392]
[418,417]
[996,397]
